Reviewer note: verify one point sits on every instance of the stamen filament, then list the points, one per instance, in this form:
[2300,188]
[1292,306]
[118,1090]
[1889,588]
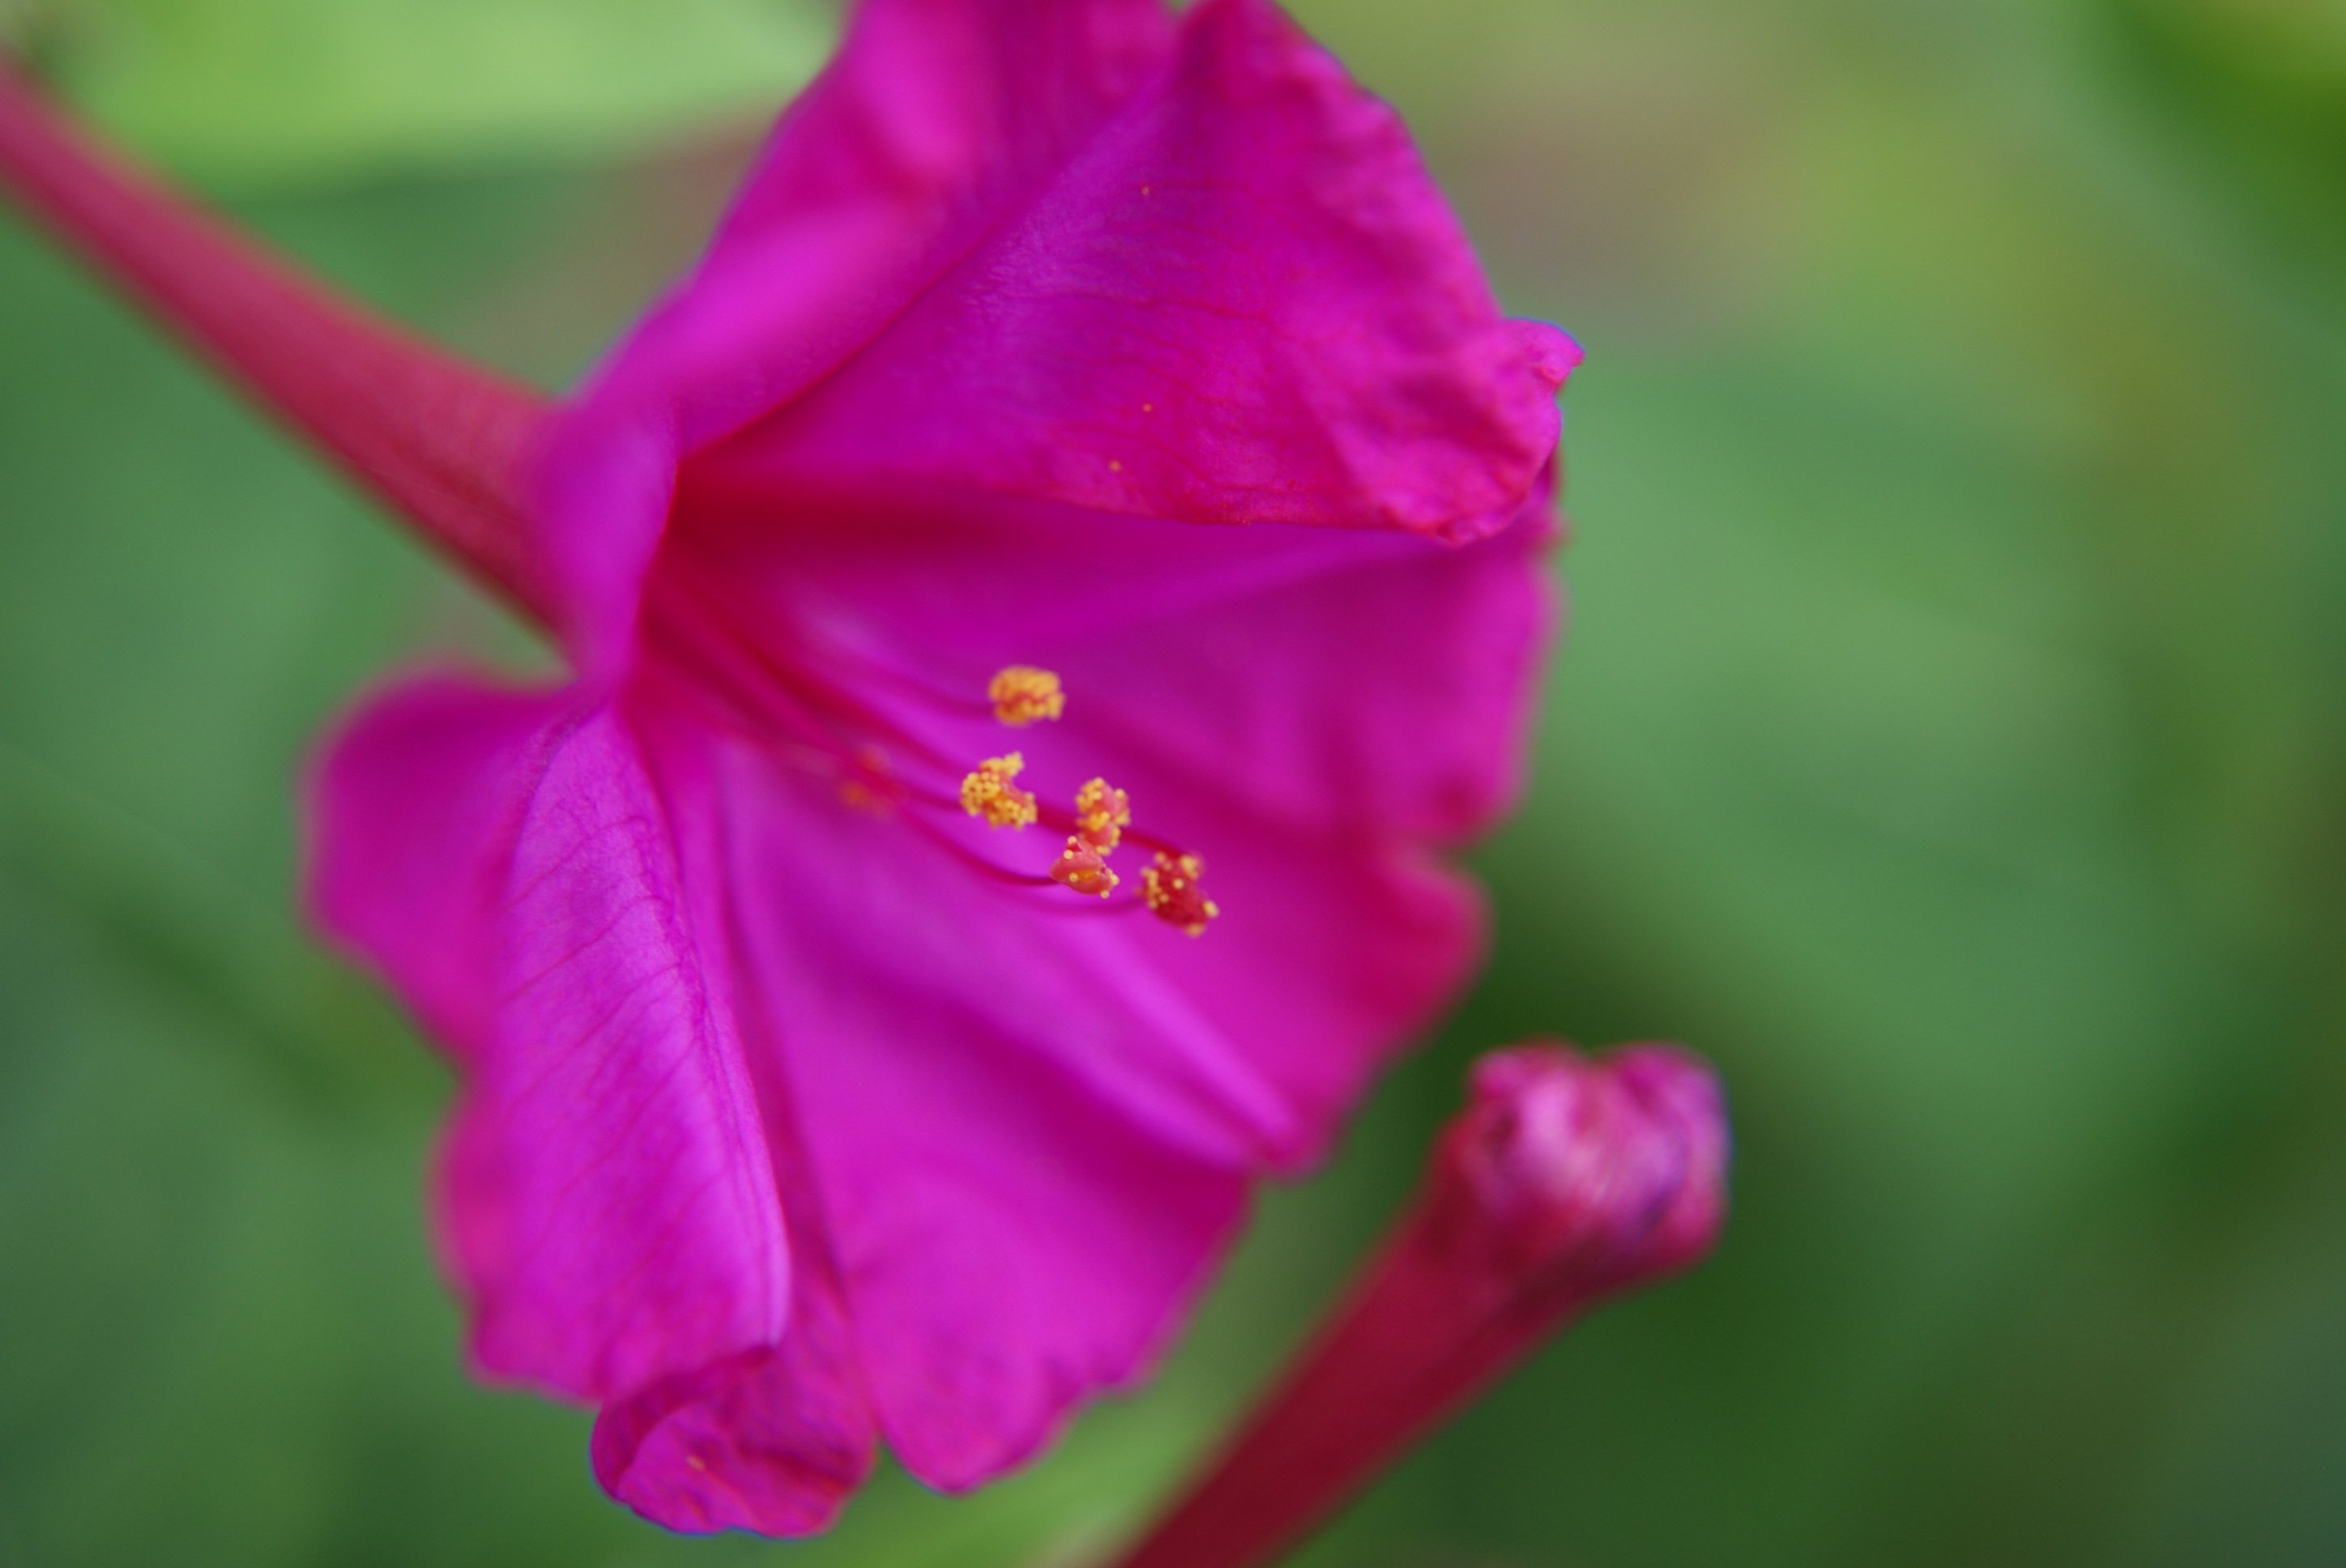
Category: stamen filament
[974,861]
[807,686]
[863,666]
[752,706]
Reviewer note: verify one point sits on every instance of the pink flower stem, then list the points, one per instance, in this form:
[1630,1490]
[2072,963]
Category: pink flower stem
[440,440]
[1566,1181]
[1391,1365]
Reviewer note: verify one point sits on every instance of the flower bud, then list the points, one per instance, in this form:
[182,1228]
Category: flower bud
[1581,1177]
[1565,1179]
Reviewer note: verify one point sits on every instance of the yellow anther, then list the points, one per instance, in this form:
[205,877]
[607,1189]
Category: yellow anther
[1083,870]
[1169,888]
[988,793]
[1101,815]
[1022,694]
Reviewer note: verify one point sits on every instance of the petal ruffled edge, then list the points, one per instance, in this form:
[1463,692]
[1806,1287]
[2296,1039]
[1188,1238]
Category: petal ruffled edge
[1241,302]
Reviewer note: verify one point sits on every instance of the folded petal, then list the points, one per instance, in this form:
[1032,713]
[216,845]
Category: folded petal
[770,1441]
[415,802]
[608,1204]
[937,120]
[1241,300]
[1033,1120]
[773,1440]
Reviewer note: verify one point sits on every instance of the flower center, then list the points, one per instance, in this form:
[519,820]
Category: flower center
[1170,887]
[805,701]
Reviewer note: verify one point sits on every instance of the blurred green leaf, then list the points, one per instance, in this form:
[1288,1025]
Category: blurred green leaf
[247,92]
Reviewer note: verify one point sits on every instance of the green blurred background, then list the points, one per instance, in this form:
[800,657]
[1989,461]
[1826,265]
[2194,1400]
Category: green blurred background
[1949,741]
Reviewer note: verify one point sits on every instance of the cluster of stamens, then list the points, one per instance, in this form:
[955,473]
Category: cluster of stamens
[1021,695]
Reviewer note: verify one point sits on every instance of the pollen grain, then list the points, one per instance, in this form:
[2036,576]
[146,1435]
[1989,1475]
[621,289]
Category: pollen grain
[1170,888]
[1022,694]
[1102,814]
[988,792]
[1084,870]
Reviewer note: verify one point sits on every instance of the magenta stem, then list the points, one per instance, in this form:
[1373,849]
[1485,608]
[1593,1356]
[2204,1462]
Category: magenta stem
[1416,1336]
[440,440]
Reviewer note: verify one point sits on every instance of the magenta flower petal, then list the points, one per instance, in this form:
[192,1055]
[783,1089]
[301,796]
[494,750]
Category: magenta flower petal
[975,260]
[1033,1129]
[1320,706]
[773,1440]
[1240,300]
[937,117]
[609,1201]
[1019,1215]
[770,1440]
[416,804]
[977,974]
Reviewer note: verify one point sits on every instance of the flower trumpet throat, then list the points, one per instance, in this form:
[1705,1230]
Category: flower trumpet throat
[1170,885]
[1565,1180]
[816,707]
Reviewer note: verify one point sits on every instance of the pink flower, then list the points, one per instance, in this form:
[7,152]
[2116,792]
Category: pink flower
[1066,376]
